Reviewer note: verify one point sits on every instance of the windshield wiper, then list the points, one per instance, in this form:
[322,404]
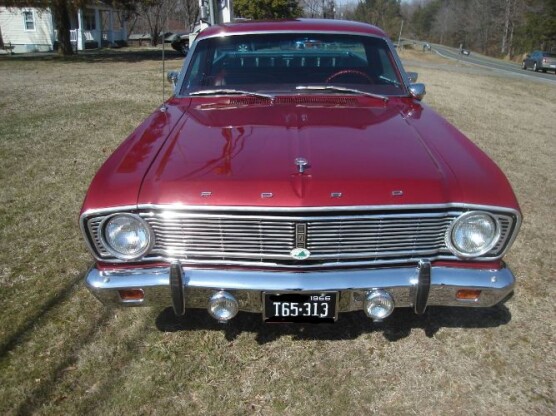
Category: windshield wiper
[390,81]
[340,89]
[229,91]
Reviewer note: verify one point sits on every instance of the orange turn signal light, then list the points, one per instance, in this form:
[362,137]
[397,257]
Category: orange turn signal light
[131,294]
[468,294]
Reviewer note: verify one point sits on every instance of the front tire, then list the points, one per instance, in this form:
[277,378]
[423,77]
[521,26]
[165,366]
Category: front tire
[523,65]
[184,48]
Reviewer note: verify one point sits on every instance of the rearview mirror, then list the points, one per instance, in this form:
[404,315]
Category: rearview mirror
[417,91]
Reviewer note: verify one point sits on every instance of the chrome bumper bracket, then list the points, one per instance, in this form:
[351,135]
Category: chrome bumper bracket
[177,288]
[423,287]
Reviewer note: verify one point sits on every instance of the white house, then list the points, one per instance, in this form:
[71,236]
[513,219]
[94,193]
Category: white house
[28,29]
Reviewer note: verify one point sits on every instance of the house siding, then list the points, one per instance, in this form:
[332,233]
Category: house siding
[14,33]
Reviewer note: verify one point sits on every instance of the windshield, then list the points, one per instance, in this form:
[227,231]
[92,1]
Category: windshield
[278,63]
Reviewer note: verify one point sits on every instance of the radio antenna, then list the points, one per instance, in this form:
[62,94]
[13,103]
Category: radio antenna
[163,107]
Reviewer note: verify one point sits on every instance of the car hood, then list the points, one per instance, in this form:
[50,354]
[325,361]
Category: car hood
[359,152]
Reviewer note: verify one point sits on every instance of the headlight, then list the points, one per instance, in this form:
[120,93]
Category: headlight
[126,236]
[473,234]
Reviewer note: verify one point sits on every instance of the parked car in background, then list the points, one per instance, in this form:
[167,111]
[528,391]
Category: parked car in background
[181,41]
[540,61]
[298,183]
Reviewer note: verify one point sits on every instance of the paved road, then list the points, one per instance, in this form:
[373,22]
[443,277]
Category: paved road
[492,63]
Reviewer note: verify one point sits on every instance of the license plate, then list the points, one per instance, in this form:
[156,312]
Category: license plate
[300,307]
[552,66]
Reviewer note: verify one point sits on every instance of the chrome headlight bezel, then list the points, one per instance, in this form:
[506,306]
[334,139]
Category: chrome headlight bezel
[459,221]
[146,247]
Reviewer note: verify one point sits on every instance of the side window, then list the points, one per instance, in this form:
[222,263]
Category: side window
[387,70]
[28,20]
[196,75]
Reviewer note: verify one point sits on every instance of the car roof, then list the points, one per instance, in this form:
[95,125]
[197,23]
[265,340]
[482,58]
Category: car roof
[292,25]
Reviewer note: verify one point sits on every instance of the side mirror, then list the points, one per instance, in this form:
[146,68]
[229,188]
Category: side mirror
[412,76]
[172,77]
[417,91]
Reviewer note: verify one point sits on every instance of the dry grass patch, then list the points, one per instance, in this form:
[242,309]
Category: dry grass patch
[61,352]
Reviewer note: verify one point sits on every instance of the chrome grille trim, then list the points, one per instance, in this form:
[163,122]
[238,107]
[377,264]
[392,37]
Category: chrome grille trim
[94,230]
[347,237]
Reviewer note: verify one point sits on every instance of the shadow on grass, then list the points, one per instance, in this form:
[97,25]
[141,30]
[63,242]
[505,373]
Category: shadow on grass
[49,382]
[349,325]
[14,339]
[99,55]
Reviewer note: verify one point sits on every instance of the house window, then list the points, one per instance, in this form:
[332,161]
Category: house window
[29,20]
[89,21]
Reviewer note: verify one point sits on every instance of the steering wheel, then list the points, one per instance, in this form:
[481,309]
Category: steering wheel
[356,72]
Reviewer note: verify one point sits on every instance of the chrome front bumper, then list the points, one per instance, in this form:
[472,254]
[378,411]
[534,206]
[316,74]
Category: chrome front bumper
[416,287]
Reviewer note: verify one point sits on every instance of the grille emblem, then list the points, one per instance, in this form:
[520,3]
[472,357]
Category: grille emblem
[301,235]
[300,253]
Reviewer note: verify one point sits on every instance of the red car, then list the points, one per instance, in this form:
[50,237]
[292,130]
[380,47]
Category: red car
[298,183]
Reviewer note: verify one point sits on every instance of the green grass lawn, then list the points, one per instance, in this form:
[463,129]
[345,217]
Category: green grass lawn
[62,352]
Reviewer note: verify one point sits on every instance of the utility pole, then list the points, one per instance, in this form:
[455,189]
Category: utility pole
[400,37]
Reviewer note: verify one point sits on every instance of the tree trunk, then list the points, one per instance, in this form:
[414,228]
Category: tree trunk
[507,15]
[511,43]
[60,12]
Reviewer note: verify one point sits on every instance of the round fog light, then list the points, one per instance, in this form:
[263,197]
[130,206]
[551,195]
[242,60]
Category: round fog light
[223,306]
[379,304]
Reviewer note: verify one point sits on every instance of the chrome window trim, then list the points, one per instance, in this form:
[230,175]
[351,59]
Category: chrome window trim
[188,58]
[515,226]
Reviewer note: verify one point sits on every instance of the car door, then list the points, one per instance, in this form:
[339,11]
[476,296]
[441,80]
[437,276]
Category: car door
[529,60]
[537,58]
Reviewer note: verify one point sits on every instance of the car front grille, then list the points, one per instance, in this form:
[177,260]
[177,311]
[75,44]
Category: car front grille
[266,239]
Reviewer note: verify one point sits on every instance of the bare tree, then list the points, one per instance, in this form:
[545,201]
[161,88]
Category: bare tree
[449,23]
[188,12]
[312,8]
[514,16]
[383,13]
[126,12]
[491,26]
[156,13]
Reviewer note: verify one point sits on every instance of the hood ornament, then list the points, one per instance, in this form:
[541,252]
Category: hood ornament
[302,164]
